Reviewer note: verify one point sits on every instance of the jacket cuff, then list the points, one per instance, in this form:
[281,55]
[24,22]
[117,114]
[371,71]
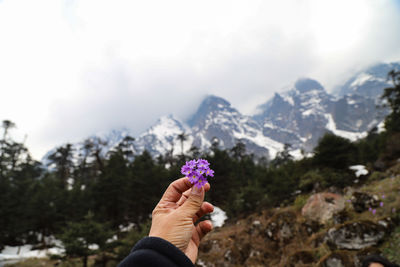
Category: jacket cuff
[165,248]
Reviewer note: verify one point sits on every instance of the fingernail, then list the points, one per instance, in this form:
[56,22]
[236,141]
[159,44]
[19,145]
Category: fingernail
[196,190]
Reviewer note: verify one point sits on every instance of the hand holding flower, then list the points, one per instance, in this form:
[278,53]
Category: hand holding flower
[175,216]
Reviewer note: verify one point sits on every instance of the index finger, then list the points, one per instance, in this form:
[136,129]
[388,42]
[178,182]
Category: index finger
[176,189]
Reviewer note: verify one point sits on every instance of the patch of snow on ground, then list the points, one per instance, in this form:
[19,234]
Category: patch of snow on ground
[126,228]
[352,136]
[218,217]
[93,246]
[381,127]
[24,252]
[201,263]
[359,170]
[296,154]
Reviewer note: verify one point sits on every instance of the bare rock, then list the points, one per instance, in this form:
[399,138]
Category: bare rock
[281,227]
[337,259]
[363,201]
[355,236]
[322,206]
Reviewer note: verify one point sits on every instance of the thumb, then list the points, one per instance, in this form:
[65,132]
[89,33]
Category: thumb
[194,201]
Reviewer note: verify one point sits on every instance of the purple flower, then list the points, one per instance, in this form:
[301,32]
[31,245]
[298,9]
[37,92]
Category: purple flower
[370,209]
[191,164]
[210,172]
[374,211]
[186,170]
[202,181]
[194,177]
[202,170]
[381,204]
[202,163]
[197,171]
[383,196]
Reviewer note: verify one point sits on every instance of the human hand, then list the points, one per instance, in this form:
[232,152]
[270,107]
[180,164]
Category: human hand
[174,216]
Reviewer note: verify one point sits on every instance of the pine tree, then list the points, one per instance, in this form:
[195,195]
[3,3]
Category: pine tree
[334,152]
[283,156]
[79,238]
[392,95]
[239,150]
[182,137]
[62,160]
[111,190]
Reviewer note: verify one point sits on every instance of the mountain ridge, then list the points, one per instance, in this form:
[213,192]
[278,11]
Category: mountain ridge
[298,117]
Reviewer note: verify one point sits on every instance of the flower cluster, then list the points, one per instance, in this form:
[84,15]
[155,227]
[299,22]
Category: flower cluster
[197,171]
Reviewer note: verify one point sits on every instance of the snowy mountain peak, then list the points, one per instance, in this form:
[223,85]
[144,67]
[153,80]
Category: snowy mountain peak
[211,104]
[166,125]
[298,116]
[162,137]
[306,84]
[215,101]
[369,82]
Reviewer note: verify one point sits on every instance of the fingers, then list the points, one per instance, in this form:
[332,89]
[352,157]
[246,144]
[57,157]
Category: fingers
[207,187]
[204,209]
[202,229]
[193,203]
[185,195]
[176,189]
[183,198]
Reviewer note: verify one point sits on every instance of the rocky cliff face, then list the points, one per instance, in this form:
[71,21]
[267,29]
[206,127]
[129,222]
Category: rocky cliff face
[303,114]
[216,119]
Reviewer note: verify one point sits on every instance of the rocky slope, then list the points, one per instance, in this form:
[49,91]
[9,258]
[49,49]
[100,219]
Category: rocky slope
[356,222]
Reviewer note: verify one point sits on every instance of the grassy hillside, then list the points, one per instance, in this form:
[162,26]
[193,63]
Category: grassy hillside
[283,237]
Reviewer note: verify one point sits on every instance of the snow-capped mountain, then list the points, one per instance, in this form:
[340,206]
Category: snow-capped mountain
[162,137]
[369,82]
[215,118]
[298,116]
[303,114]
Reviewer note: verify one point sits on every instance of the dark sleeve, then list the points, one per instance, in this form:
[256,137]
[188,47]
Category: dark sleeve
[377,259]
[154,252]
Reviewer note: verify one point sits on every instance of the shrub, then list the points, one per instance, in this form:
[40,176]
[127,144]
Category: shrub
[311,180]
[376,176]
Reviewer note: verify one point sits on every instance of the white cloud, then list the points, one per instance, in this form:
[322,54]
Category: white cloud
[70,68]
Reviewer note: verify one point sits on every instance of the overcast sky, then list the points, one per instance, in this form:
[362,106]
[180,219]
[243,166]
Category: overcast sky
[72,68]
